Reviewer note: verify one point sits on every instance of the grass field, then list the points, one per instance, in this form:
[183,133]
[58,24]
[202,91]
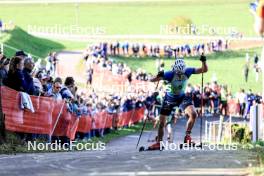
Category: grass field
[20,39]
[137,18]
[133,17]
[227,66]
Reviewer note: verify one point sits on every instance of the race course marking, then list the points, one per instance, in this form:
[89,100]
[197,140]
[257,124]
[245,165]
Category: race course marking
[205,171]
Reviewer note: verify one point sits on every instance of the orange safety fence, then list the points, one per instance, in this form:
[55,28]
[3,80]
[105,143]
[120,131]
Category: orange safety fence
[104,79]
[109,120]
[25,121]
[124,118]
[52,117]
[67,124]
[104,120]
[138,115]
[99,120]
[85,124]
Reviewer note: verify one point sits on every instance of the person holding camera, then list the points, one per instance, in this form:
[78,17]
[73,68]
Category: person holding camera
[177,80]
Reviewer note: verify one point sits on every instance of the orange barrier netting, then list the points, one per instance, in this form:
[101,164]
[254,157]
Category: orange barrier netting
[104,79]
[104,120]
[85,124]
[52,117]
[24,121]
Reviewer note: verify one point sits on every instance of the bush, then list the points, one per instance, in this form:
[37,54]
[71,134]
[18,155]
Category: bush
[181,25]
[241,134]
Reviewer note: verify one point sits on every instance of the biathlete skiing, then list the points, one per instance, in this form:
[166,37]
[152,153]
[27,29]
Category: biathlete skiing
[175,96]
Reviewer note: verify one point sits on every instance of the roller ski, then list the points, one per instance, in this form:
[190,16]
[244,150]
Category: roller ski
[155,146]
[188,142]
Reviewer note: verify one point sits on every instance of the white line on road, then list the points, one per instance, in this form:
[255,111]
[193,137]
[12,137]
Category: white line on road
[147,167]
[205,171]
[238,162]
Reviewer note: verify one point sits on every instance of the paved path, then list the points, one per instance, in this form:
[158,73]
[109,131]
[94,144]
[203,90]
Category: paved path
[121,158]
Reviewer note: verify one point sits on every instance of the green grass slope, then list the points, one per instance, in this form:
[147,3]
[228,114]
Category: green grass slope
[20,39]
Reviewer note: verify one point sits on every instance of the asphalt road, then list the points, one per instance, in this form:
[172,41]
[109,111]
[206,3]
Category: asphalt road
[120,157]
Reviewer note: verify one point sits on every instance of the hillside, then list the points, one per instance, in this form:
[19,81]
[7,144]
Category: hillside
[20,39]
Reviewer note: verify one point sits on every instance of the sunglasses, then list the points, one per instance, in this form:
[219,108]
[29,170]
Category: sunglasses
[57,87]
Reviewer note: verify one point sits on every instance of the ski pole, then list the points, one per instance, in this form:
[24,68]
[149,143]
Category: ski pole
[201,120]
[144,124]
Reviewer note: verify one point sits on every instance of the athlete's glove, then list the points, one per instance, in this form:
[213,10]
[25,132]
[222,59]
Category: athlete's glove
[155,94]
[160,74]
[203,58]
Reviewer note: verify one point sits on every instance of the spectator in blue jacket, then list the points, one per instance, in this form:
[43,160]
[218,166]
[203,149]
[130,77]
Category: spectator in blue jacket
[66,91]
[28,67]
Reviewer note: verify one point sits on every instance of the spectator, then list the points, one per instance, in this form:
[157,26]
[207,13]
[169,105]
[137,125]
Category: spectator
[40,83]
[249,103]
[15,78]
[50,82]
[55,61]
[214,97]
[258,98]
[189,90]
[28,67]
[246,71]
[1,25]
[55,91]
[223,100]
[4,67]
[256,59]
[49,61]
[89,76]
[242,98]
[207,94]
[256,67]
[21,54]
[68,89]
[196,96]
[129,77]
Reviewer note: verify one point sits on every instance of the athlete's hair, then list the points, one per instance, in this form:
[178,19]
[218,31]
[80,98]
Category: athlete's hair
[179,65]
